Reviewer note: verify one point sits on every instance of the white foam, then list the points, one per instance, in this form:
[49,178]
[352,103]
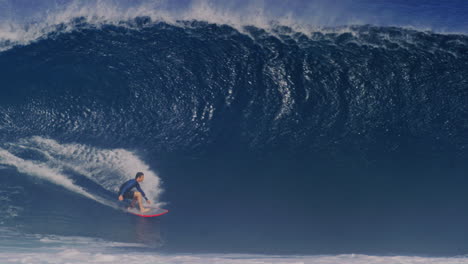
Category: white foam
[108,168]
[279,76]
[97,13]
[74,249]
[41,171]
[72,256]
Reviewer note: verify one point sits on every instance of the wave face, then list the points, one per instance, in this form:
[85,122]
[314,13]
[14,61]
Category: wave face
[335,128]
[178,86]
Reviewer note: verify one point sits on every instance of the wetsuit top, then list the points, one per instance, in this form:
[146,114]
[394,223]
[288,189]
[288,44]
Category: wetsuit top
[130,184]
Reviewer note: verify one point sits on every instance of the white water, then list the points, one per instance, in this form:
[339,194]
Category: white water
[50,249]
[317,15]
[50,160]
[41,171]
[257,13]
[98,13]
[79,256]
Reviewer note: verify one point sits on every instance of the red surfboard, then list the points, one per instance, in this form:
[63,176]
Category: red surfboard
[153,212]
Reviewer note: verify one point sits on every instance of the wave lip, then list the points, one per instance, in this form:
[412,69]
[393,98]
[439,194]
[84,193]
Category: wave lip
[98,13]
[50,19]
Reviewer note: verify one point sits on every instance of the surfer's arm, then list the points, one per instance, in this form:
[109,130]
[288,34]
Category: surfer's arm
[141,191]
[126,187]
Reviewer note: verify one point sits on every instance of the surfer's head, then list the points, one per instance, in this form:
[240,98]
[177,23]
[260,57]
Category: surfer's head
[139,177]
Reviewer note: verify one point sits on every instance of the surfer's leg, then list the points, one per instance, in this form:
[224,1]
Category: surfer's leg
[130,195]
[132,204]
[140,202]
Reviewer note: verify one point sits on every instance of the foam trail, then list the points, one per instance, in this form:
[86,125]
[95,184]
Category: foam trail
[43,172]
[107,168]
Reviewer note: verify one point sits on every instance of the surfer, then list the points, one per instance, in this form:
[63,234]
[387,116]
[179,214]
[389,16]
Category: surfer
[125,192]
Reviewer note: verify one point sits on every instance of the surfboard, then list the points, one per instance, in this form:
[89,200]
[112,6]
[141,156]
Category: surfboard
[153,212]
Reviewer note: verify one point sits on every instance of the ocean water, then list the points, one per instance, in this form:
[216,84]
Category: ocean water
[268,141]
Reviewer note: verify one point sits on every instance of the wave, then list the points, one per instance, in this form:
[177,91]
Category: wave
[172,86]
[316,16]
[235,117]
[97,14]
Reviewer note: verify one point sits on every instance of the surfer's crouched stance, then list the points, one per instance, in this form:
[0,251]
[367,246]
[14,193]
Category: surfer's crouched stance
[125,192]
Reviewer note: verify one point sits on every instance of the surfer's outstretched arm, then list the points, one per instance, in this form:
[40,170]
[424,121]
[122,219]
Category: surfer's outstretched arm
[142,193]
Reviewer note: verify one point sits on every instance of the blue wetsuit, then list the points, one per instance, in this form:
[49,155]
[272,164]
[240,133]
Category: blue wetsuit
[126,189]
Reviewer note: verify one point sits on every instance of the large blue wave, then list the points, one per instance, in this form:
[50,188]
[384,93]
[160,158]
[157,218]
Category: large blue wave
[185,86]
[255,119]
